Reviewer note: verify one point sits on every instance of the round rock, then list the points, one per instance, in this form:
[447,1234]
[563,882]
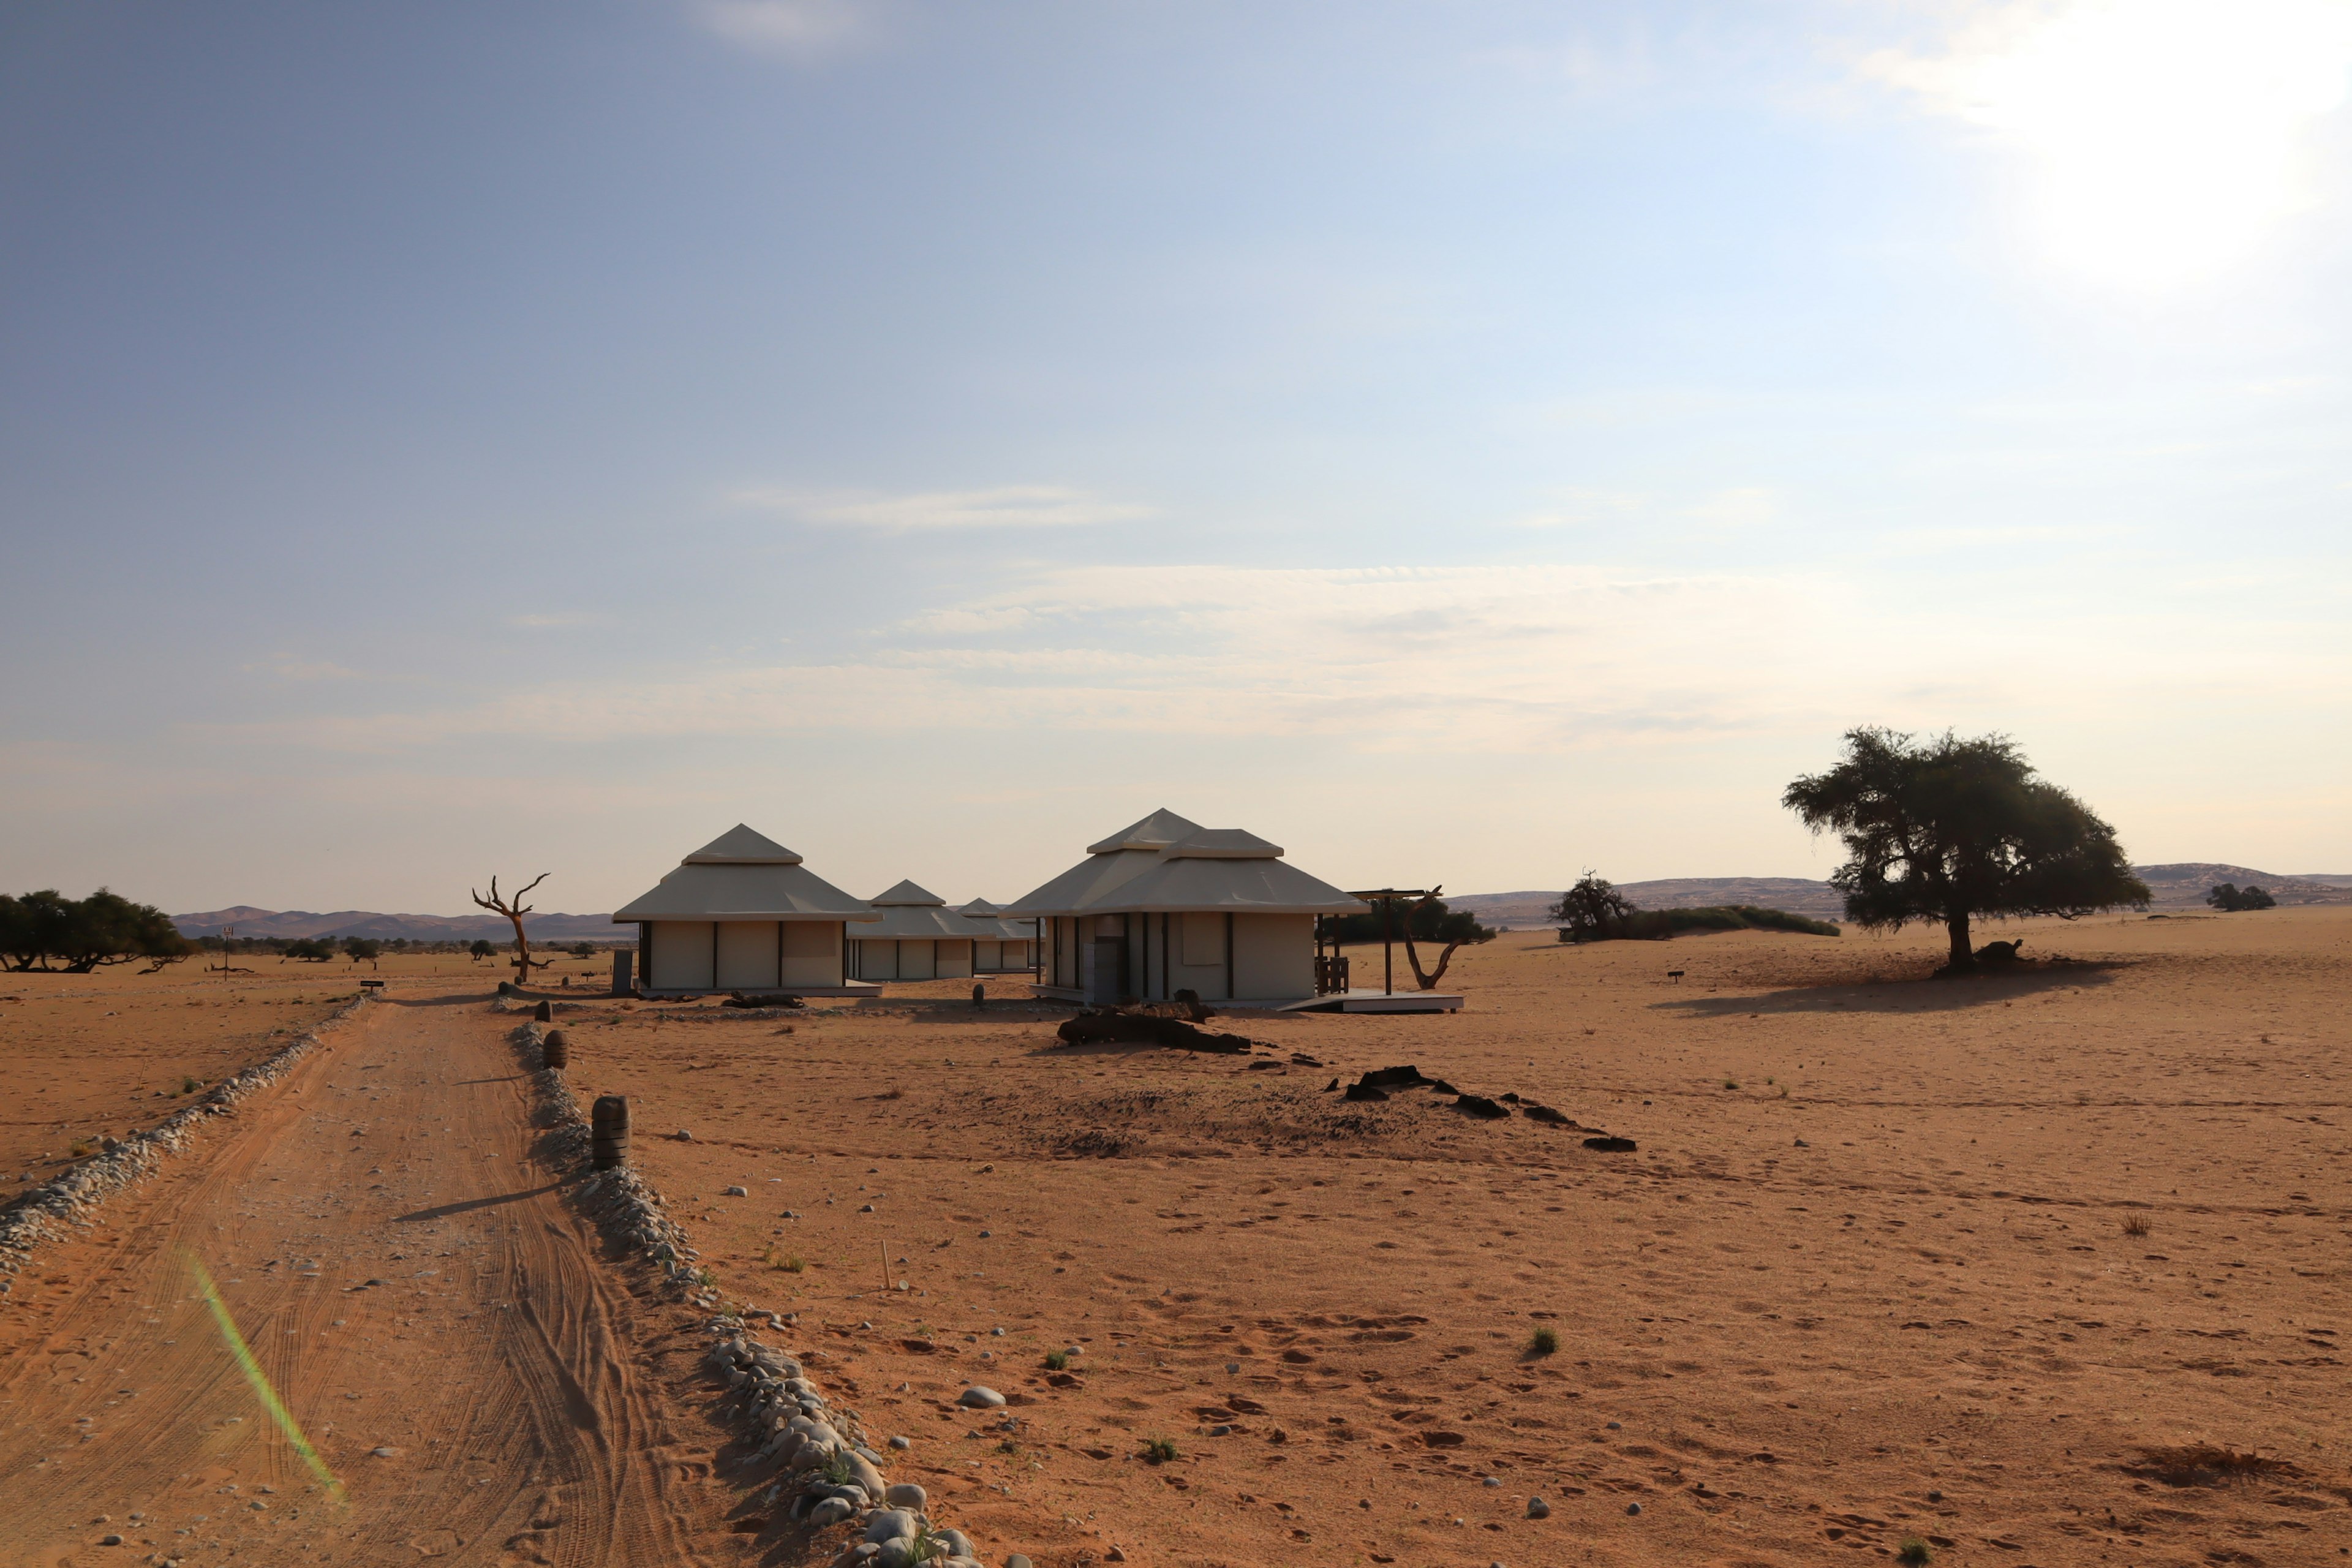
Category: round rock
[890,1524]
[979,1398]
[1538,1509]
[1633,1508]
[901,1443]
[908,1494]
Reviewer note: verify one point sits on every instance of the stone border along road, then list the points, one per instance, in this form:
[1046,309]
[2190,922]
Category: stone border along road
[831,1465]
[71,1198]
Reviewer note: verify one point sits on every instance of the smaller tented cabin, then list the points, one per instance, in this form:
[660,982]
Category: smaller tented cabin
[741,913]
[1009,946]
[1166,905]
[915,937]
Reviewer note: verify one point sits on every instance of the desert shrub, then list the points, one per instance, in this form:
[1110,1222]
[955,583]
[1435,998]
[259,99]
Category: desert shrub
[1592,911]
[1056,1361]
[1158,1451]
[1544,1341]
[2232,898]
[1914,1552]
[1731,1083]
[309,950]
[2136,1226]
[1656,925]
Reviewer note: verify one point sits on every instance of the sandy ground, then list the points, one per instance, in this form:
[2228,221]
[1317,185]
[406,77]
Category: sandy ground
[92,1056]
[1896,1301]
[1865,1279]
[479,1385]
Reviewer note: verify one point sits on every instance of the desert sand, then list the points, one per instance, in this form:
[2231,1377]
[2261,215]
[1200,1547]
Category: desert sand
[1865,1277]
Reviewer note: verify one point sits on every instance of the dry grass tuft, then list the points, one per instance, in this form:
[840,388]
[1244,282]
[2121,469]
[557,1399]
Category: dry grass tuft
[2205,1464]
[2136,1226]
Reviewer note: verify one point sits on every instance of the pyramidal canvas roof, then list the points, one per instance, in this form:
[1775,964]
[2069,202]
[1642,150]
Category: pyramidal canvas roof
[742,876]
[909,912]
[1127,853]
[1166,863]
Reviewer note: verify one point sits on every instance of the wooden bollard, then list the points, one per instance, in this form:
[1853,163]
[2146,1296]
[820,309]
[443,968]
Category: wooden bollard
[608,1132]
[546,1013]
[555,1050]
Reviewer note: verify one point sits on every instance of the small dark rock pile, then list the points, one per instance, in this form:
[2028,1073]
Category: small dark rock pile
[1376,1085]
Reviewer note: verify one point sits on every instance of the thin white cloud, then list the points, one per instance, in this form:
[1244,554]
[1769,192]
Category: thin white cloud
[1006,505]
[795,29]
[1484,660]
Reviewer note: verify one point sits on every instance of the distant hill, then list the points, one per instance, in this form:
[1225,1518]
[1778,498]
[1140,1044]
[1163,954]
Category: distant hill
[291,923]
[2184,886]
[2176,887]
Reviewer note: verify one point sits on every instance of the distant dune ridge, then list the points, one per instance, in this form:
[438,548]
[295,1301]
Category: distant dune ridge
[2181,886]
[2176,887]
[291,923]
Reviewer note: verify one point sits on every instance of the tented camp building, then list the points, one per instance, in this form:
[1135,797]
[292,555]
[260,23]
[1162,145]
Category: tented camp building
[916,937]
[1008,946]
[1167,905]
[741,913]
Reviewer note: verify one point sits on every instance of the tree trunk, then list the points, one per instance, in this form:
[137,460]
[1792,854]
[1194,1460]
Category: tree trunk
[1429,982]
[1964,956]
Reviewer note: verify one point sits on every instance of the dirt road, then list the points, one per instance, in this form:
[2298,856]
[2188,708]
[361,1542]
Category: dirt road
[477,1384]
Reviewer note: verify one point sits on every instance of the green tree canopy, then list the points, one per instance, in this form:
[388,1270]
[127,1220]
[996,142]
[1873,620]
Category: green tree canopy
[2231,897]
[1592,911]
[48,930]
[1946,829]
[311,950]
[480,948]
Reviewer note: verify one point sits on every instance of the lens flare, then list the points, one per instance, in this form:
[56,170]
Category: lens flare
[262,1388]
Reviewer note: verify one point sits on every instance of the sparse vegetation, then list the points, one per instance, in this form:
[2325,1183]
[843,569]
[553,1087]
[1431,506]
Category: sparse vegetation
[1945,830]
[2205,1464]
[81,1147]
[1731,1083]
[188,1086]
[1158,1451]
[924,1547]
[84,934]
[1914,1552]
[1544,1341]
[2136,1226]
[839,1468]
[1056,1361]
[1592,911]
[788,1263]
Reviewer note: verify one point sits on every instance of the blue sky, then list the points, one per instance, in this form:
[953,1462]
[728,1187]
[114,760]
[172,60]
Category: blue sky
[1461,442]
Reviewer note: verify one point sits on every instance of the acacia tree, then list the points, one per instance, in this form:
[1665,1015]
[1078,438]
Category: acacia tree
[480,950]
[514,908]
[85,933]
[1946,829]
[1592,911]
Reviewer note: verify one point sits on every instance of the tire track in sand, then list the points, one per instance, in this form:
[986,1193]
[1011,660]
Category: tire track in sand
[409,1280]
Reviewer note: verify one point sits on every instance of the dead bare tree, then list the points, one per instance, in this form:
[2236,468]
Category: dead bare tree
[1454,929]
[514,908]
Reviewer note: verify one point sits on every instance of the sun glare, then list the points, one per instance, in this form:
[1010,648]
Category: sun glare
[2168,138]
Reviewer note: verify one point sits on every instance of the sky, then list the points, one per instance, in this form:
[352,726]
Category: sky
[1465,442]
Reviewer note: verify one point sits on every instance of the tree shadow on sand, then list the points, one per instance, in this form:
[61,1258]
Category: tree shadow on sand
[1920,993]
